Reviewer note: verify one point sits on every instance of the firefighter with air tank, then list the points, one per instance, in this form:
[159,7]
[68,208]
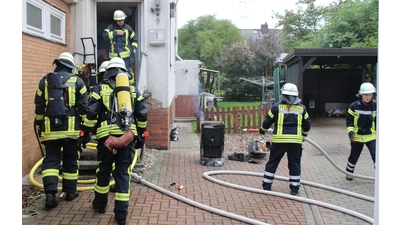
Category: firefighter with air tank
[118,113]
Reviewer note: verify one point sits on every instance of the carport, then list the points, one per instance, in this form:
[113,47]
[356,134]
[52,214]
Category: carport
[329,77]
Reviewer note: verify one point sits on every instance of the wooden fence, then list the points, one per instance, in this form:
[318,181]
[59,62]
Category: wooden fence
[236,118]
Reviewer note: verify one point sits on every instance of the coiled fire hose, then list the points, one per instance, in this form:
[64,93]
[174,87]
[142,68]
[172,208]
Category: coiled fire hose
[90,146]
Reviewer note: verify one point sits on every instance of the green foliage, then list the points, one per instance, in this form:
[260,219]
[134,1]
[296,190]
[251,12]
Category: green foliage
[206,38]
[342,24]
[351,24]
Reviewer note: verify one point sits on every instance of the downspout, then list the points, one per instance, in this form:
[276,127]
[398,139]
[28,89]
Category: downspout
[176,33]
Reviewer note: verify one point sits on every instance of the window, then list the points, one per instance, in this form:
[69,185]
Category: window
[43,20]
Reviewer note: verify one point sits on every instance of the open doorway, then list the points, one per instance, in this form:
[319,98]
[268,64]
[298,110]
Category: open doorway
[105,12]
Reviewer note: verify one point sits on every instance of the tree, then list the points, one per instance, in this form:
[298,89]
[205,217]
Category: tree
[206,38]
[342,24]
[240,60]
[351,24]
[299,26]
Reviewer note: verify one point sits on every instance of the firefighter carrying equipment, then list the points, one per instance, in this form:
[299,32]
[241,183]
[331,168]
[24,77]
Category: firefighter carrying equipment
[57,107]
[124,101]
[119,142]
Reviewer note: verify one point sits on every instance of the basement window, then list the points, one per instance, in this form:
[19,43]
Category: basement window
[43,20]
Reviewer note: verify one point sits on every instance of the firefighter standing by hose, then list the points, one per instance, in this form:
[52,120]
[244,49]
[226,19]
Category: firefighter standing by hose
[118,113]
[291,123]
[361,126]
[60,107]
[121,41]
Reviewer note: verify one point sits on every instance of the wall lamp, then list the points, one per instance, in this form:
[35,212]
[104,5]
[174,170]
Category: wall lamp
[157,7]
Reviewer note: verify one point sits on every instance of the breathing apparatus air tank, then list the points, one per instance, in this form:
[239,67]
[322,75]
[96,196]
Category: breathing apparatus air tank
[123,98]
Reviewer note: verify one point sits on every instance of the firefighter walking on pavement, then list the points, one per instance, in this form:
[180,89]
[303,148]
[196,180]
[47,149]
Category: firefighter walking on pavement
[291,123]
[361,126]
[118,114]
[60,107]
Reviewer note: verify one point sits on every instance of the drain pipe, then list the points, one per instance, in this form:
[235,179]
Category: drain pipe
[176,32]
[197,204]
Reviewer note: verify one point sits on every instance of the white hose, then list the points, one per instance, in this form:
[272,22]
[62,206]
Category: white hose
[333,162]
[206,175]
[199,205]
[297,198]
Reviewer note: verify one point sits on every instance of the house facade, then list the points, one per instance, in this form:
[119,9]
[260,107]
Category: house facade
[51,27]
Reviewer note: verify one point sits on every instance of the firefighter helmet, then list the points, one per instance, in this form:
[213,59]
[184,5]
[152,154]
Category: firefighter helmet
[290,89]
[366,88]
[119,15]
[116,62]
[103,66]
[66,59]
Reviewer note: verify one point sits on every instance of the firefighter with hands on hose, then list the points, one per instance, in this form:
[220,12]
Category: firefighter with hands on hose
[291,123]
[121,41]
[60,108]
[118,113]
[361,126]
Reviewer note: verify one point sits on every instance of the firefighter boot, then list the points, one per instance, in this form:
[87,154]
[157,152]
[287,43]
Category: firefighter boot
[51,201]
[266,186]
[97,208]
[70,197]
[294,190]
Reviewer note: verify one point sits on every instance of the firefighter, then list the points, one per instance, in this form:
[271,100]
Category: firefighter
[112,124]
[121,41]
[361,126]
[59,134]
[291,123]
[102,70]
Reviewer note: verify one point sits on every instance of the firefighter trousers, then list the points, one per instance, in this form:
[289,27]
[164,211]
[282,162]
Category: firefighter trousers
[122,161]
[68,150]
[294,153]
[355,152]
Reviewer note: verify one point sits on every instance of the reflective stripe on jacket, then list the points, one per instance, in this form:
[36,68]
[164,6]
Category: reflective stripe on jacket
[291,123]
[361,119]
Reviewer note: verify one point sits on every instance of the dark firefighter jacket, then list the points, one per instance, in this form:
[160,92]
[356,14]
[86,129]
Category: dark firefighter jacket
[361,119]
[77,102]
[101,111]
[291,123]
[122,45]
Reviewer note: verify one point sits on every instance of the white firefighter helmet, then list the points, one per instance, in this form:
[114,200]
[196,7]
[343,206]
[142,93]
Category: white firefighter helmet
[66,59]
[103,66]
[290,89]
[366,88]
[116,62]
[289,93]
[119,15]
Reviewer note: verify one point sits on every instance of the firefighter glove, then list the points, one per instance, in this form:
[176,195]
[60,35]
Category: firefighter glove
[351,136]
[39,126]
[261,131]
[84,138]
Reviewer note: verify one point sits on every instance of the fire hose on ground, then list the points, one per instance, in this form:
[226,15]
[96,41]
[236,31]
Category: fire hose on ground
[207,176]
[90,146]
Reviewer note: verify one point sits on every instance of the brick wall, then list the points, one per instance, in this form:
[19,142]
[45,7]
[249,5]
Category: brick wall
[37,58]
[159,126]
[186,105]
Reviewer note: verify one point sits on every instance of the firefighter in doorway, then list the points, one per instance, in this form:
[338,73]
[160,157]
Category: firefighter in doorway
[121,41]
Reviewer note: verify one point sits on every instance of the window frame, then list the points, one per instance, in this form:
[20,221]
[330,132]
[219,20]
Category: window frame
[47,11]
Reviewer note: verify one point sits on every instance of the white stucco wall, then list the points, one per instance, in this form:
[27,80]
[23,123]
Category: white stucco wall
[187,81]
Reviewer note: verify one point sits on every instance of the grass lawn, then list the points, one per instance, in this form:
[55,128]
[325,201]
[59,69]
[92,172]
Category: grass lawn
[234,104]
